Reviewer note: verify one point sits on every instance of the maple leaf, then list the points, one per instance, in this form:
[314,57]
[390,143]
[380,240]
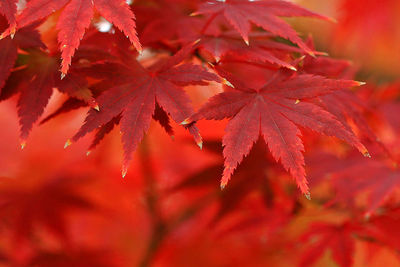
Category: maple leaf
[274,110]
[253,166]
[75,19]
[166,23]
[377,178]
[9,9]
[27,206]
[265,14]
[228,46]
[338,238]
[7,59]
[138,94]
[383,226]
[27,38]
[344,104]
[35,86]
[102,131]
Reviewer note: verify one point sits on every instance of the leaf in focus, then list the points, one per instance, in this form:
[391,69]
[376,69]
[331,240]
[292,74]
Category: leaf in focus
[75,19]
[275,110]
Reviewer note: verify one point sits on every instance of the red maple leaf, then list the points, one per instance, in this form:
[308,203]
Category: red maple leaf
[344,104]
[377,178]
[275,110]
[338,238]
[228,47]
[26,203]
[253,166]
[75,19]
[165,23]
[265,14]
[9,9]
[35,86]
[138,94]
[384,227]
[27,38]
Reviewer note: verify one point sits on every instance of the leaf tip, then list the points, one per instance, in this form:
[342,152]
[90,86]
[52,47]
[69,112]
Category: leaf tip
[333,20]
[23,145]
[366,154]
[96,107]
[88,153]
[297,101]
[307,195]
[12,33]
[292,68]
[140,50]
[68,143]
[62,75]
[312,54]
[200,144]
[7,32]
[222,185]
[228,83]
[124,171]
[359,83]
[186,121]
[247,42]
[194,14]
[226,176]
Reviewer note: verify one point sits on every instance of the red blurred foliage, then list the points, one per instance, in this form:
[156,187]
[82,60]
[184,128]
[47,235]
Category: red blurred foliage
[200,60]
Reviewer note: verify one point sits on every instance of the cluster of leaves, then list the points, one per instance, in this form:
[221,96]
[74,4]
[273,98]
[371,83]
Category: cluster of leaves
[282,99]
[273,88]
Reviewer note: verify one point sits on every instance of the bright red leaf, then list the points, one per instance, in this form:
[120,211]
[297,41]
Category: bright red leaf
[241,13]
[35,86]
[136,97]
[75,19]
[275,110]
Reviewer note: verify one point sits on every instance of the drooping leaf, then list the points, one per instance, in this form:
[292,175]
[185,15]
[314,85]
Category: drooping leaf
[35,86]
[75,19]
[136,97]
[27,38]
[241,13]
[275,110]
